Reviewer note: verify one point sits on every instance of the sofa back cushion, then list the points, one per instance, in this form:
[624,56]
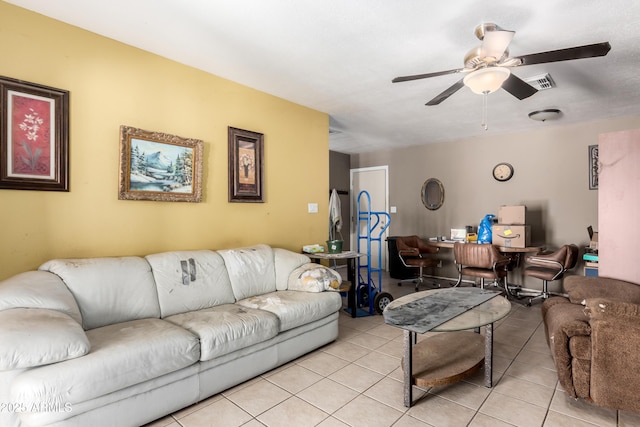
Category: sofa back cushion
[251,270]
[581,288]
[190,280]
[285,262]
[108,290]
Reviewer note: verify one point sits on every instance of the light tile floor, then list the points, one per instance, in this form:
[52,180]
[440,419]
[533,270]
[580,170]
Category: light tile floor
[357,381]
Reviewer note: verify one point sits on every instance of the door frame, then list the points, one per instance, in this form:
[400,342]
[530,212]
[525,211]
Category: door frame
[353,228]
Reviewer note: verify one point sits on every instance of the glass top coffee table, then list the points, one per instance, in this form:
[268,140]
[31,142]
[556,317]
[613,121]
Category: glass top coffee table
[445,358]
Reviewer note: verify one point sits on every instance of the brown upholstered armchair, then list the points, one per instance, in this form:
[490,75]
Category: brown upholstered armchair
[594,337]
[414,253]
[480,260]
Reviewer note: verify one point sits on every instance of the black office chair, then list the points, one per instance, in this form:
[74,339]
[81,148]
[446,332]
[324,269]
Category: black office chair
[549,267]
[414,253]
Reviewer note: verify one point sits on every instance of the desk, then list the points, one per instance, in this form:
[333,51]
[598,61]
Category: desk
[505,250]
[351,257]
[515,254]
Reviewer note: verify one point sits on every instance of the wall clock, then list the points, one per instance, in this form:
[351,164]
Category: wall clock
[503,172]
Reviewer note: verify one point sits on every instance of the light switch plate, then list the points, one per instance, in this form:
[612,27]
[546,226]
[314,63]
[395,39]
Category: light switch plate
[313,207]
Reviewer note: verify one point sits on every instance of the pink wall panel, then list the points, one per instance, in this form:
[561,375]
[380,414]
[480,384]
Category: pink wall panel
[619,205]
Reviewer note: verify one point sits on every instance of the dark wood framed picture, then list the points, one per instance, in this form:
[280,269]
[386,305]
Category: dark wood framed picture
[594,167]
[34,136]
[160,167]
[246,161]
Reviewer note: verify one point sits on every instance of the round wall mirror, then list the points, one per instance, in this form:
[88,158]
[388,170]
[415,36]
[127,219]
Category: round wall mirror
[432,194]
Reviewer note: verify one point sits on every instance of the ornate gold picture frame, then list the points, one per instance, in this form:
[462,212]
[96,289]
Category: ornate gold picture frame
[160,167]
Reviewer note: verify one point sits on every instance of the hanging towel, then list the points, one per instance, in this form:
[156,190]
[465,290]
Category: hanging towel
[335,216]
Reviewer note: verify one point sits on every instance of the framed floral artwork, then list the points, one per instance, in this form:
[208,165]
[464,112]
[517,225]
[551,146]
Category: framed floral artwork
[245,166]
[34,136]
[160,167]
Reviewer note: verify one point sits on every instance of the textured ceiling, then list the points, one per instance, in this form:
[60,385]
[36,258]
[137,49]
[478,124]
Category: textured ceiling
[339,56]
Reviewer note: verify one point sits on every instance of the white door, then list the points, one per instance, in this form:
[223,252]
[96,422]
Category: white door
[375,181]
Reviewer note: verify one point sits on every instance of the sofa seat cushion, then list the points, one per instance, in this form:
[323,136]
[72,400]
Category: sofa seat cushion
[226,328]
[36,336]
[580,347]
[121,355]
[295,308]
[581,377]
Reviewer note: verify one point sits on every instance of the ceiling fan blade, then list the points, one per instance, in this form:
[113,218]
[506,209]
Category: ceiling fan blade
[518,87]
[425,76]
[495,43]
[447,93]
[578,52]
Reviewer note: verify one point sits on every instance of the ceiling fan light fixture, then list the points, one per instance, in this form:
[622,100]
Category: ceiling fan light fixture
[486,80]
[546,114]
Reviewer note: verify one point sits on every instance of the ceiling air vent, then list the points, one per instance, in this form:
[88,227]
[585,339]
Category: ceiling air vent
[541,82]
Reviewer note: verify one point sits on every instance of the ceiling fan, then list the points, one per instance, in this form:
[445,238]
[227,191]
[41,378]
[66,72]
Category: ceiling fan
[487,67]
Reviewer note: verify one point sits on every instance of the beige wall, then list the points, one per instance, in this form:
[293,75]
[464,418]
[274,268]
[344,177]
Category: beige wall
[551,179]
[112,84]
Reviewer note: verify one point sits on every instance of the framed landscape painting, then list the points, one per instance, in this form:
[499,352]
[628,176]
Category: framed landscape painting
[34,136]
[593,167]
[245,166]
[160,167]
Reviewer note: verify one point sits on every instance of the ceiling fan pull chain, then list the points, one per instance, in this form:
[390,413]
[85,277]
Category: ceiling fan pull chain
[485,124]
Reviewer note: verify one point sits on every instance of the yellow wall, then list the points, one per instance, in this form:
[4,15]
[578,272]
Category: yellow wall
[112,84]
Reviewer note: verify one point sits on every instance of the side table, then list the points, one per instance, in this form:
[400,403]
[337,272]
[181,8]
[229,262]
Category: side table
[350,257]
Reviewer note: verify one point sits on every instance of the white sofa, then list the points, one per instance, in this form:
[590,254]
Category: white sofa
[124,341]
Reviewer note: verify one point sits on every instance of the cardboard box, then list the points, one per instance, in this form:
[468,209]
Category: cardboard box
[511,236]
[512,215]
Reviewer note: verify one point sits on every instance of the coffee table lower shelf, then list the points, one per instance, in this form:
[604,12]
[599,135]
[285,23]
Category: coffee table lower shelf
[447,358]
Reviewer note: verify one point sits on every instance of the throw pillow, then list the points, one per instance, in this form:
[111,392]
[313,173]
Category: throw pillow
[313,277]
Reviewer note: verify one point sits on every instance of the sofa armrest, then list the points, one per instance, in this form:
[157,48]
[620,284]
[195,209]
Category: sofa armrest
[615,363]
[564,321]
[38,289]
[605,309]
[581,288]
[36,336]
